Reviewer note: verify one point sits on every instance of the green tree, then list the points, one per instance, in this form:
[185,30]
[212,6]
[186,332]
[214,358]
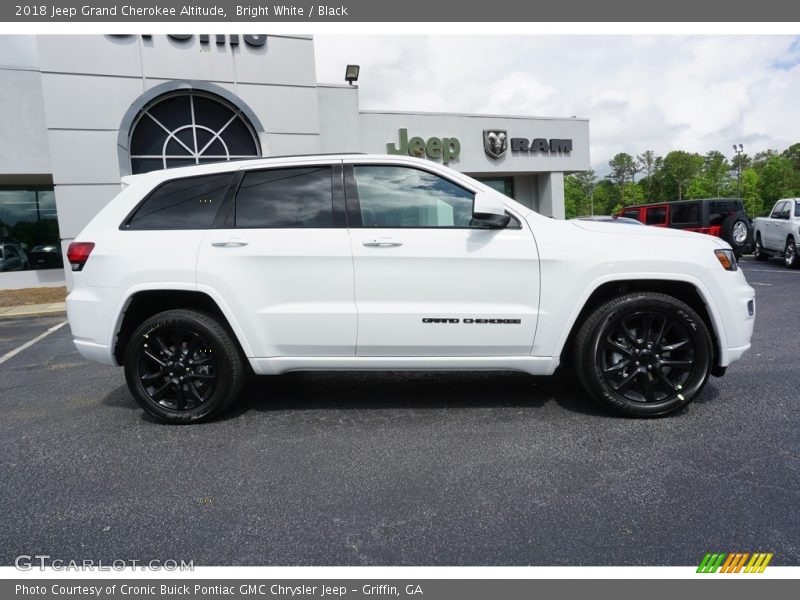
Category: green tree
[751,198]
[793,154]
[681,167]
[777,180]
[761,158]
[605,197]
[647,164]
[716,173]
[622,166]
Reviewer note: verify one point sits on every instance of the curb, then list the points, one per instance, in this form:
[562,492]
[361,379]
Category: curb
[34,310]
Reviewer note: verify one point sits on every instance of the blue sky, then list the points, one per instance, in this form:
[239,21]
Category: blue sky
[660,93]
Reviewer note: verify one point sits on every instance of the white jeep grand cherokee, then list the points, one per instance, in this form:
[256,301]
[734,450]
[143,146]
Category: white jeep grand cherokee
[362,262]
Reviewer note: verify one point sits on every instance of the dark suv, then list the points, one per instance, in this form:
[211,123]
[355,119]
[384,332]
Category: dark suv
[722,217]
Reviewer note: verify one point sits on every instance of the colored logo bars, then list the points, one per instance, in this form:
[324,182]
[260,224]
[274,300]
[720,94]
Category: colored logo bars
[735,562]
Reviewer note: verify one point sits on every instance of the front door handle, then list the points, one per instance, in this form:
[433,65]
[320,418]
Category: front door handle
[382,243]
[229,244]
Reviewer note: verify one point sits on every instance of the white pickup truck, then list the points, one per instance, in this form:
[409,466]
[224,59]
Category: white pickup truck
[778,234]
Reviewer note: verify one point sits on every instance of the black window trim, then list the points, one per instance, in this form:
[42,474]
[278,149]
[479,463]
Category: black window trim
[667,214]
[337,194]
[777,210]
[353,203]
[698,222]
[126,222]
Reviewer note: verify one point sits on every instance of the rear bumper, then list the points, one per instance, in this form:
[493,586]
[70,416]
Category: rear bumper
[94,352]
[92,318]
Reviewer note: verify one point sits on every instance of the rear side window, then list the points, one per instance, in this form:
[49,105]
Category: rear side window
[656,216]
[189,203]
[288,198]
[719,211]
[685,213]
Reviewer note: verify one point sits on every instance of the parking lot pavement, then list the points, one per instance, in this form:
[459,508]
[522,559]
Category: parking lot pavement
[404,468]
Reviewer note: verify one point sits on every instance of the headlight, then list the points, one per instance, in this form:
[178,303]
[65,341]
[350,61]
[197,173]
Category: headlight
[727,259]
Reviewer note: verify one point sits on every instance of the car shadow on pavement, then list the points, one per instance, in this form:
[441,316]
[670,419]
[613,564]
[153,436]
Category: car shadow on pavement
[406,389]
[412,389]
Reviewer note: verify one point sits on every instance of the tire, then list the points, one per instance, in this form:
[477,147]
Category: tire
[758,250]
[736,231]
[623,373]
[790,258]
[183,366]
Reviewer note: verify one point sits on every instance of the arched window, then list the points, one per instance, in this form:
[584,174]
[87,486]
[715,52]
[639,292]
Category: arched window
[189,128]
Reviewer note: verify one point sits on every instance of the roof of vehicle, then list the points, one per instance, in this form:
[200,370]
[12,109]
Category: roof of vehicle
[678,202]
[235,165]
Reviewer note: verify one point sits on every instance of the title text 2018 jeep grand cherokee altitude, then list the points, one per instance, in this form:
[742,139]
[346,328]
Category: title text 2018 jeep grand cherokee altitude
[360,262]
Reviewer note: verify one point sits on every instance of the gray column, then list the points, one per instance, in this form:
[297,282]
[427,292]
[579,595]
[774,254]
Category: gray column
[551,194]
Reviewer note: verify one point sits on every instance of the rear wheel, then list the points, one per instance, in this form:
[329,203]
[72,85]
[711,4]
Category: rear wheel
[758,251]
[790,258]
[183,366]
[643,354]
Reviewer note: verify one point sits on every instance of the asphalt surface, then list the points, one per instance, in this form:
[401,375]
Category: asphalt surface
[403,468]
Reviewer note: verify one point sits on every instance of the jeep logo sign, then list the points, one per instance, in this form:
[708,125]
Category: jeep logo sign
[445,148]
[495,144]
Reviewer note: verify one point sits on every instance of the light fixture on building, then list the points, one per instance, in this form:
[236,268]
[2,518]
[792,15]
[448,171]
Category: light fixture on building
[351,73]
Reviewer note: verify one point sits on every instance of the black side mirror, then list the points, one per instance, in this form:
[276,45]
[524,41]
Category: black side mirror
[490,221]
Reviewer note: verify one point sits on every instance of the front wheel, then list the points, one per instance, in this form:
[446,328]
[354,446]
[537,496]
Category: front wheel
[643,354]
[790,258]
[758,251]
[183,366]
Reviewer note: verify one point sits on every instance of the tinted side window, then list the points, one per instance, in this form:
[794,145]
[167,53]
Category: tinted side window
[299,197]
[719,211]
[656,216]
[685,213]
[631,214]
[776,212]
[797,209]
[407,197]
[189,203]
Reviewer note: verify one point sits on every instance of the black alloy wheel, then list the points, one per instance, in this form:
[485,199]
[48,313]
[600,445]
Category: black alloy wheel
[644,354]
[790,257]
[758,251]
[177,368]
[183,366]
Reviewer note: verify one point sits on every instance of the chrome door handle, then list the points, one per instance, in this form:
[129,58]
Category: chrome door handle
[229,244]
[380,244]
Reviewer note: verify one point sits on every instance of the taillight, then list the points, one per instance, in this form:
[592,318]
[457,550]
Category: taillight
[78,253]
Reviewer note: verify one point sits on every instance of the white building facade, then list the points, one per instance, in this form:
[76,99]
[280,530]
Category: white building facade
[80,112]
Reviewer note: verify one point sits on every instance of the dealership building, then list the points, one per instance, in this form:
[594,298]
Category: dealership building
[80,112]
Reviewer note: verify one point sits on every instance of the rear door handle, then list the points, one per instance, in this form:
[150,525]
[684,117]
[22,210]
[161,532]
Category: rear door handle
[384,243]
[229,244]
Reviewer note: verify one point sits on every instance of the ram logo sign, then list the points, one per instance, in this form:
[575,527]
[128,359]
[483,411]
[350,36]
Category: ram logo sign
[496,142]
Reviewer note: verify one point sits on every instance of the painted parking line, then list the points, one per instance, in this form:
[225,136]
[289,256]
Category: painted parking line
[28,344]
[787,271]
